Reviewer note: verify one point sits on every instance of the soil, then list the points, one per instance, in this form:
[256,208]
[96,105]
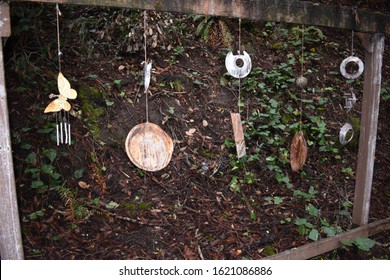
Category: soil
[106,208]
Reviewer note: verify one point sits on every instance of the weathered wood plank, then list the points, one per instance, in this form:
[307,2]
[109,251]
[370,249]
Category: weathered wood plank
[10,234]
[5,26]
[291,11]
[331,243]
[238,134]
[374,45]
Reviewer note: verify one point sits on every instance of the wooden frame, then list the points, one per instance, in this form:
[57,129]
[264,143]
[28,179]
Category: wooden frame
[290,11]
[11,238]
[321,246]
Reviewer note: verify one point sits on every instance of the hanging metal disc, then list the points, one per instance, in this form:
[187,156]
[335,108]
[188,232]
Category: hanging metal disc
[298,151]
[147,74]
[346,134]
[301,81]
[354,75]
[235,70]
[149,147]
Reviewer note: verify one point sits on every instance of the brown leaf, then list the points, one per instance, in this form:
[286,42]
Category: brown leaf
[298,151]
[188,253]
[83,185]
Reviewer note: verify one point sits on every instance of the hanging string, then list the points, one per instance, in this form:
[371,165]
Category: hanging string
[239,52]
[58,13]
[145,65]
[350,97]
[352,47]
[302,72]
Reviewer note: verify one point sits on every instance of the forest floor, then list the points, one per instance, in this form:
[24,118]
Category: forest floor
[89,201]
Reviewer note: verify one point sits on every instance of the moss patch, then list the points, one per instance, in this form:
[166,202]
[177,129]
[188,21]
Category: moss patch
[91,110]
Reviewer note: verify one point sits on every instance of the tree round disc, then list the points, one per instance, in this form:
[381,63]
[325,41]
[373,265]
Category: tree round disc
[149,147]
[298,151]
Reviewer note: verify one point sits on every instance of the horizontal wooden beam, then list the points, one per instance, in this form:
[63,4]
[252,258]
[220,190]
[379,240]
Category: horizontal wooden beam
[290,11]
[331,243]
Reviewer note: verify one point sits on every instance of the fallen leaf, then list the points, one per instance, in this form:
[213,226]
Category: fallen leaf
[83,185]
[189,254]
[190,132]
[112,205]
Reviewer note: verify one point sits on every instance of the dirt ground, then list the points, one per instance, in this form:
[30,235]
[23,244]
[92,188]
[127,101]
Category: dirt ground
[100,206]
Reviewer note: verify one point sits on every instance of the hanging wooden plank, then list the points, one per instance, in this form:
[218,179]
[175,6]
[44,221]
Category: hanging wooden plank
[331,243]
[291,11]
[10,234]
[374,45]
[238,133]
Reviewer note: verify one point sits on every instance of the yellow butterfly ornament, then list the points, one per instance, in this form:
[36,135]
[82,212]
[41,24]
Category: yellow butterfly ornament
[59,104]
[66,92]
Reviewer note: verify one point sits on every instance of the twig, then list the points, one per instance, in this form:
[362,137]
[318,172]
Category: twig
[128,219]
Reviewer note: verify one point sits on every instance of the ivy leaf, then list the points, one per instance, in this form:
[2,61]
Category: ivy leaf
[78,173]
[348,243]
[278,200]
[364,243]
[300,222]
[313,235]
[36,184]
[329,231]
[312,210]
[50,153]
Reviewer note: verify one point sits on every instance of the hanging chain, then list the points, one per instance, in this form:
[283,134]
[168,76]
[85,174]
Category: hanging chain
[145,66]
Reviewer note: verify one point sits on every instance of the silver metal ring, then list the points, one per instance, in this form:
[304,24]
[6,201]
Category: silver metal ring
[351,76]
[343,134]
[235,70]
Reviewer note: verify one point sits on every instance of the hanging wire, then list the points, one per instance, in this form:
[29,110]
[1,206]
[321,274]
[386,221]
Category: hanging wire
[145,65]
[302,72]
[350,96]
[58,13]
[239,52]
[352,43]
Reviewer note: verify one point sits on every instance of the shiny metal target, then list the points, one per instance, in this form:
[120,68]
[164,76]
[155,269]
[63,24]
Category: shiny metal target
[355,75]
[301,81]
[346,134]
[149,147]
[235,70]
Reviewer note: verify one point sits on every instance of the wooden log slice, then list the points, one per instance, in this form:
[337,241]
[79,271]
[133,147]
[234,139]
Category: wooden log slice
[298,151]
[149,147]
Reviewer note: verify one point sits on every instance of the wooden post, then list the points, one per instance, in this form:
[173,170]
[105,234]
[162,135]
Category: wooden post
[10,235]
[374,45]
